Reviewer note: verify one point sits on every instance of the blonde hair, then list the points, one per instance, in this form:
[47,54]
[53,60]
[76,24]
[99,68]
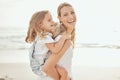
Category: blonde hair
[34,27]
[59,14]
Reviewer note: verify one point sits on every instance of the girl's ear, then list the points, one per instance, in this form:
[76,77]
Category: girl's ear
[41,25]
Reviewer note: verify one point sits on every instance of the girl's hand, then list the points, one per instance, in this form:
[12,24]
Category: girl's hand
[66,36]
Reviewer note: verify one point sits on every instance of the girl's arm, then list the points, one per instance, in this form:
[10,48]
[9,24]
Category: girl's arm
[56,47]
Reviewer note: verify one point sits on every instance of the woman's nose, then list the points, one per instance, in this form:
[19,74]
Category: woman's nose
[71,16]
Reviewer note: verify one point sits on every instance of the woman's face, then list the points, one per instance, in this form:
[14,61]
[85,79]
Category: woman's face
[67,17]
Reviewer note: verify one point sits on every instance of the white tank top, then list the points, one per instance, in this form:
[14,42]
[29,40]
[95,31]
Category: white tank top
[66,59]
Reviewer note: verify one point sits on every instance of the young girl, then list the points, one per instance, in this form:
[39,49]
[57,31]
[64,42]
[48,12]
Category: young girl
[41,28]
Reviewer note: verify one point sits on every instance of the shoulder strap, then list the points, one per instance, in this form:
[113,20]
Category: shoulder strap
[32,50]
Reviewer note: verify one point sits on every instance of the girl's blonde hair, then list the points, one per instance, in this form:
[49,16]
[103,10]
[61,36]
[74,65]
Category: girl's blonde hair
[59,14]
[34,26]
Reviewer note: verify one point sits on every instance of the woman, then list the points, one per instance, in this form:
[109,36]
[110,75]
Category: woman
[67,18]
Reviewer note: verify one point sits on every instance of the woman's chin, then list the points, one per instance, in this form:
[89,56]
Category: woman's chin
[72,24]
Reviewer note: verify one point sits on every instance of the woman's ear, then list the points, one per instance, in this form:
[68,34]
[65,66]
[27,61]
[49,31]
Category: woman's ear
[59,18]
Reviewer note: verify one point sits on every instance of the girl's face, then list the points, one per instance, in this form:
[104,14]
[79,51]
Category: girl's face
[67,17]
[48,24]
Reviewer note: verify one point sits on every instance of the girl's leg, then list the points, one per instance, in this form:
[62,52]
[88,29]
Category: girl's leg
[52,72]
[63,73]
[49,66]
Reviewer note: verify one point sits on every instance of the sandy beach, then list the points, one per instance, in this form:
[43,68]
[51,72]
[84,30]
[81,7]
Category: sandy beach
[88,64]
[16,71]
[96,73]
[22,71]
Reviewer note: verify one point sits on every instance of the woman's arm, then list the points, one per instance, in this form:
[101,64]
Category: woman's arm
[53,59]
[49,66]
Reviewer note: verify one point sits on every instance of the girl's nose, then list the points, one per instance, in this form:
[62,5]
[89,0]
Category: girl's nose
[53,23]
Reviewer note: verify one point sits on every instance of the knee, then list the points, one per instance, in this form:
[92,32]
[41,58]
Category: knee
[62,71]
[46,69]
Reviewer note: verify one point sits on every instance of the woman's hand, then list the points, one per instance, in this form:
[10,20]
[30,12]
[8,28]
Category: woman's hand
[69,27]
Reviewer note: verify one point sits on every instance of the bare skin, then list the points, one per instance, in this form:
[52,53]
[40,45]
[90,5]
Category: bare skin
[50,64]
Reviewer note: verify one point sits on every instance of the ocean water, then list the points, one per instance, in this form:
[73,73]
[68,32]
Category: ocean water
[13,38]
[90,52]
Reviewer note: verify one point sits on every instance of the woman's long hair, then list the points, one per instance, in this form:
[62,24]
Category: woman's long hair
[59,14]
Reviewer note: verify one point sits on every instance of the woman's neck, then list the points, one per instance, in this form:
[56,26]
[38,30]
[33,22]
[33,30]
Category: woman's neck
[63,28]
[68,31]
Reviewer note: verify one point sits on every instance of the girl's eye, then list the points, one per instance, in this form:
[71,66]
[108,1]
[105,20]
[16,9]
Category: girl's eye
[65,14]
[49,20]
[72,12]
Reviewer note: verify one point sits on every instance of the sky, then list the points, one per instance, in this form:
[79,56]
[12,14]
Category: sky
[18,12]
[97,20]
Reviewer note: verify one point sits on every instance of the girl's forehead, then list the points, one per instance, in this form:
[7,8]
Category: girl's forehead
[48,14]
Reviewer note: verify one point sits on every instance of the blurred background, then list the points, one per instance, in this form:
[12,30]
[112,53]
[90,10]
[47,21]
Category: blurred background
[97,45]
